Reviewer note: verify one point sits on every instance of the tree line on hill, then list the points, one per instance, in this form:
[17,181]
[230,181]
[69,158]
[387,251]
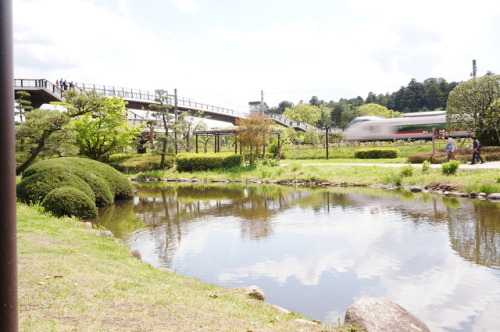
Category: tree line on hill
[432,94]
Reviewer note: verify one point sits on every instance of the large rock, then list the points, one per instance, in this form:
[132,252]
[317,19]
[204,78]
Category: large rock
[494,196]
[256,292]
[381,315]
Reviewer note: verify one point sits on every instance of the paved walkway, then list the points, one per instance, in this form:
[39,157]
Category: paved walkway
[487,165]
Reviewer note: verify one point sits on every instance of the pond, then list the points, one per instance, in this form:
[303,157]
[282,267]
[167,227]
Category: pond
[317,251]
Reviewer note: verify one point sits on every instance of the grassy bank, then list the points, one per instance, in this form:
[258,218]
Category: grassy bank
[73,280]
[478,180]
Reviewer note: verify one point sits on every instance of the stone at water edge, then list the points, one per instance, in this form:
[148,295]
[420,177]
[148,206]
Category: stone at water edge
[381,315]
[256,292]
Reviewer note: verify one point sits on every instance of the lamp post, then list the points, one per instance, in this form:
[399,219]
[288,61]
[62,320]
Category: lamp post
[8,241]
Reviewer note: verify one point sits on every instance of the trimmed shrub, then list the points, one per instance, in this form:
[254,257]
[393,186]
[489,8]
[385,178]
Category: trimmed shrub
[194,162]
[68,201]
[141,163]
[489,153]
[376,153]
[119,185]
[450,167]
[101,183]
[35,187]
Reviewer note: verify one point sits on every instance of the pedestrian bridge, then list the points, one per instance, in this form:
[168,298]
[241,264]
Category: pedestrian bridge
[43,91]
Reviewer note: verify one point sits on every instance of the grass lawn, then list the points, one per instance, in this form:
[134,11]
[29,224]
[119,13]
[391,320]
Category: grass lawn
[73,280]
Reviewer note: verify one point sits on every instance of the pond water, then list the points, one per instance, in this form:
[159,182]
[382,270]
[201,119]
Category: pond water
[317,251]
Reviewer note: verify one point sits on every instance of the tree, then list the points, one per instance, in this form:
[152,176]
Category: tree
[23,104]
[474,106]
[34,133]
[252,134]
[103,129]
[378,110]
[303,113]
[161,112]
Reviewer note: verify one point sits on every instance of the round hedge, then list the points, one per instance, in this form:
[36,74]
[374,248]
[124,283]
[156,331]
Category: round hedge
[35,187]
[100,183]
[119,185]
[68,201]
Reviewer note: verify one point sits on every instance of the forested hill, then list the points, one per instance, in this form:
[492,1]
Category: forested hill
[415,97]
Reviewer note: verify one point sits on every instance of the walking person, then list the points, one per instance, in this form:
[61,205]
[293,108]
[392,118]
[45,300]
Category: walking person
[476,151]
[451,147]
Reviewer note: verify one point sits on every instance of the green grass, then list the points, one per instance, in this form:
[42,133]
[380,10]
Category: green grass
[73,280]
[299,171]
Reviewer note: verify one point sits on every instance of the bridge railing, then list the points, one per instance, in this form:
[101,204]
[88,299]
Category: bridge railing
[38,83]
[290,123]
[148,96]
[145,95]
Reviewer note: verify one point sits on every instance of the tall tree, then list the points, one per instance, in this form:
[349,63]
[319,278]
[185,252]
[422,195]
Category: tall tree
[252,134]
[303,113]
[105,129]
[161,110]
[378,110]
[474,105]
[34,133]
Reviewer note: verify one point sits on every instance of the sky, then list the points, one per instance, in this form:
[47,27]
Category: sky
[225,52]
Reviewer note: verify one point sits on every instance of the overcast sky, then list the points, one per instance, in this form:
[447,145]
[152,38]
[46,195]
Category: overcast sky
[224,52]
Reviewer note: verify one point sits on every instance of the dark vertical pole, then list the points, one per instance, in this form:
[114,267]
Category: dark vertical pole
[176,118]
[327,143]
[8,242]
[196,143]
[235,145]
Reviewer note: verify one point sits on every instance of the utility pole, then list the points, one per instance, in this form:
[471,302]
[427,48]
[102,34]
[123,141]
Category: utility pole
[474,69]
[176,116]
[8,240]
[261,101]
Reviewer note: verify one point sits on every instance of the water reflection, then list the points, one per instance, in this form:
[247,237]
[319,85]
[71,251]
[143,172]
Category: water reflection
[317,251]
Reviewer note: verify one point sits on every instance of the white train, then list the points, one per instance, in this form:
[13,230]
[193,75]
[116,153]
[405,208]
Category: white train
[414,126]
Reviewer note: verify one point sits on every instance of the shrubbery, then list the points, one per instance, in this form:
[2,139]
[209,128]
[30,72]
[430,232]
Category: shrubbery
[134,163]
[489,153]
[196,162]
[450,167]
[376,153]
[101,183]
[68,201]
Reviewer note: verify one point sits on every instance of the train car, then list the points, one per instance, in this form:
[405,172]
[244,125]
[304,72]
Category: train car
[414,126]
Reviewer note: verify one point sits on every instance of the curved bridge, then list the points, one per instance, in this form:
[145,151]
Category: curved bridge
[43,92]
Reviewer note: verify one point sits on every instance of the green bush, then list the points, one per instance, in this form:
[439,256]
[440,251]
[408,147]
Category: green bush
[195,162]
[119,185]
[100,182]
[450,167]
[376,153]
[425,165]
[68,201]
[35,187]
[406,171]
[141,163]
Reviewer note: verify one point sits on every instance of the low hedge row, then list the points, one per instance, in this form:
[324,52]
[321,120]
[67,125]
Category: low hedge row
[376,153]
[134,163]
[99,183]
[464,155]
[196,162]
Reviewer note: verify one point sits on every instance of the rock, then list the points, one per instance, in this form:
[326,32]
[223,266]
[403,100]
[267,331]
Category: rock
[135,253]
[473,195]
[381,315]
[87,224]
[282,310]
[494,196]
[107,233]
[256,292]
[416,190]
[305,321]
